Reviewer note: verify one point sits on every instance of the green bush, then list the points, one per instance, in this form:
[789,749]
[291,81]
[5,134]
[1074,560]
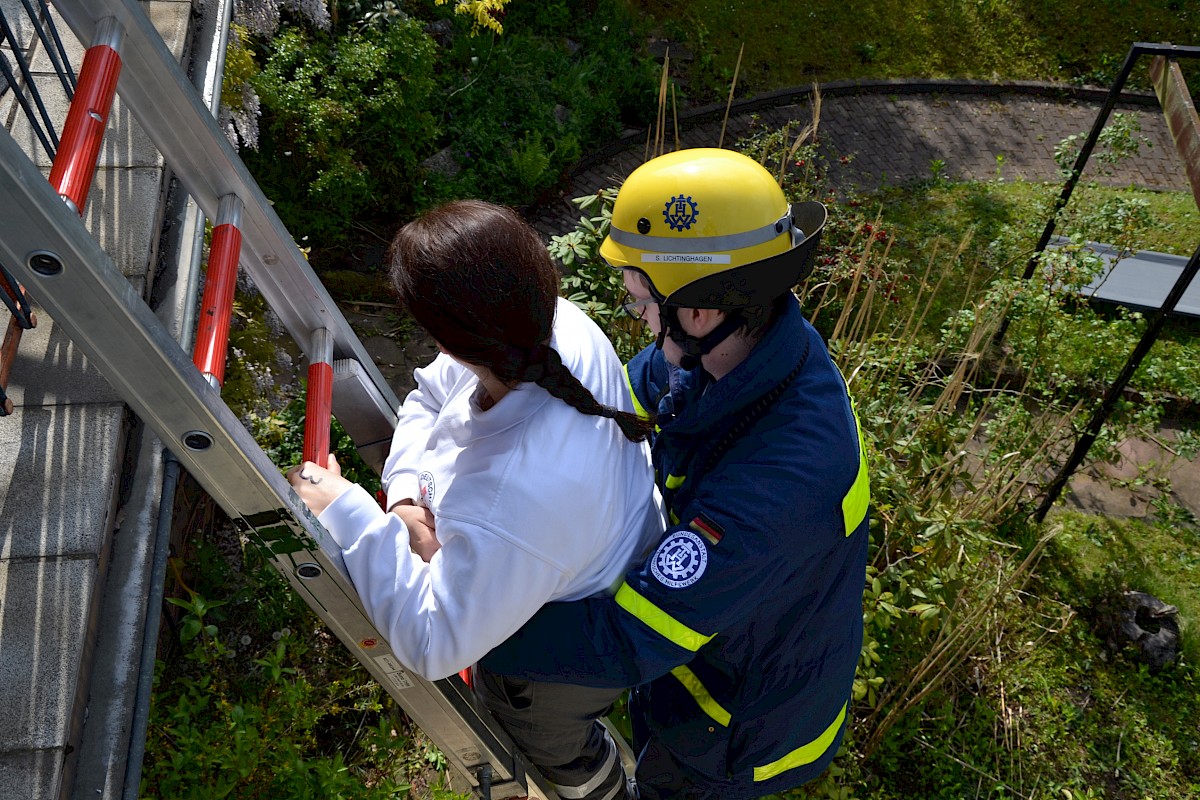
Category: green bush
[347,120]
[592,284]
[350,116]
[522,107]
[262,702]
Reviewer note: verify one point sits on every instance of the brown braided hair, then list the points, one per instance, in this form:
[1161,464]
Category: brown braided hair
[479,280]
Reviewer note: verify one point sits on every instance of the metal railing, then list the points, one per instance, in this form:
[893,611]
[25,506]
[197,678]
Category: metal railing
[25,87]
[27,94]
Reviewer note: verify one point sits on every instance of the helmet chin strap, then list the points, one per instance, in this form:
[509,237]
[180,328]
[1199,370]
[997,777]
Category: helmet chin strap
[693,347]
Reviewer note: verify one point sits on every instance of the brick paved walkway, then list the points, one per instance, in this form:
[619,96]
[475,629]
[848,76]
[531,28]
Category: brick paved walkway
[895,131]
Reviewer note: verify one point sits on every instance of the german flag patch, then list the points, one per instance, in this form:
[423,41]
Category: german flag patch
[707,528]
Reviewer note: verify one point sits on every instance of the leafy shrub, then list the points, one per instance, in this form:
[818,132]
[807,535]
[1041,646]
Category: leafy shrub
[593,285]
[1118,139]
[521,108]
[281,436]
[347,121]
[264,703]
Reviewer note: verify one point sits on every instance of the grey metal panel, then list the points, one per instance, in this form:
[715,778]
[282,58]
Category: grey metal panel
[1141,279]
[363,412]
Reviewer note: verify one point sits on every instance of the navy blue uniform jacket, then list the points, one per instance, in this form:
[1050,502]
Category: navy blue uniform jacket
[746,621]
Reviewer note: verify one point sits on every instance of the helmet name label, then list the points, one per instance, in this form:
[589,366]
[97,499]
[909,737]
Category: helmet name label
[685,258]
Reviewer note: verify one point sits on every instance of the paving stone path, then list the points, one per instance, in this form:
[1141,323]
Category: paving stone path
[894,132]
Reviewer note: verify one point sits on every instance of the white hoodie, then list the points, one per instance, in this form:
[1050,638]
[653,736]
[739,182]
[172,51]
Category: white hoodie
[533,502]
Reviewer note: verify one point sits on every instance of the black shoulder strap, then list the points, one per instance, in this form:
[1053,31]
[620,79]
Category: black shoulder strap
[753,413]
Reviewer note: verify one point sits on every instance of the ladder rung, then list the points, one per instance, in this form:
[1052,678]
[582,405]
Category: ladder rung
[83,132]
[319,398]
[216,308]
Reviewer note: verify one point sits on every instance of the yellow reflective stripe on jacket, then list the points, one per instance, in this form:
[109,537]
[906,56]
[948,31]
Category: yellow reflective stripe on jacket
[675,481]
[638,408]
[703,698]
[805,754]
[659,621]
[854,504]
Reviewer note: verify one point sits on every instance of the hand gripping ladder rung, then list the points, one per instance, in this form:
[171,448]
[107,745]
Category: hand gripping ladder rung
[52,253]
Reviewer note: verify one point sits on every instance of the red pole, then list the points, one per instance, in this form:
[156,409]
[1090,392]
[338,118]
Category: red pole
[216,308]
[319,401]
[12,340]
[83,132]
[8,351]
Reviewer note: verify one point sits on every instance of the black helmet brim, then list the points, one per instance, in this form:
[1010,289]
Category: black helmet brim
[762,281]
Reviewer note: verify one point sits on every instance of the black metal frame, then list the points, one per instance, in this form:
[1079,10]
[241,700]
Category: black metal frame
[1094,426]
[47,33]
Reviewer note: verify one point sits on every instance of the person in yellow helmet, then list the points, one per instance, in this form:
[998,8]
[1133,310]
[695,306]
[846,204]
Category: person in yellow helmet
[741,631]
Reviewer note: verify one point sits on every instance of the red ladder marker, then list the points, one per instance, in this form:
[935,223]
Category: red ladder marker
[83,132]
[216,308]
[12,337]
[319,401]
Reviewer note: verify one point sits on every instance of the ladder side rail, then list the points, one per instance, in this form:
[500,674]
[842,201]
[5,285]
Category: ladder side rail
[63,267]
[171,112]
[365,414]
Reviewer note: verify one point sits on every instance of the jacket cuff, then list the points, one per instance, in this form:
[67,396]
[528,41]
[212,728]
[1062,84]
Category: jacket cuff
[402,486]
[351,515]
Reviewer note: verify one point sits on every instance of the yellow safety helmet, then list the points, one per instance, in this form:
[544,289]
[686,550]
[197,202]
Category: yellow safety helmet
[710,228]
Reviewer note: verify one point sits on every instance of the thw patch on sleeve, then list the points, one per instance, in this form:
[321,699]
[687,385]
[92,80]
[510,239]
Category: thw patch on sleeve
[679,560]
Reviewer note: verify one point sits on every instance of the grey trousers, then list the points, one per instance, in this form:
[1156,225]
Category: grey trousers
[556,726]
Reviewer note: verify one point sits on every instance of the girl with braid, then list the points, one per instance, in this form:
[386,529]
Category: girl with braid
[518,475]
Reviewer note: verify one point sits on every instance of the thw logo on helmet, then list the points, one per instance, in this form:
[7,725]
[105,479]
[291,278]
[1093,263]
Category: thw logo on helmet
[681,212]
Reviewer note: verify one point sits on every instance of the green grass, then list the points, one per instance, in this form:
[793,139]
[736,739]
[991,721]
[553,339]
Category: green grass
[823,40]
[995,208]
[1048,709]
[949,244]
[1049,713]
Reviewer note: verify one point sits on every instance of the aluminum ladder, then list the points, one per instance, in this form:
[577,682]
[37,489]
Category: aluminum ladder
[51,254]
